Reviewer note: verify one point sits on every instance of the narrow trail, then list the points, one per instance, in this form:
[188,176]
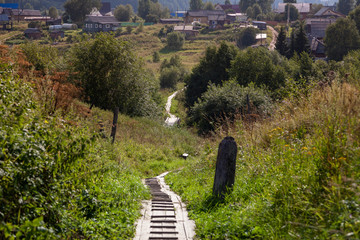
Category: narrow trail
[172,119]
[274,35]
[164,216]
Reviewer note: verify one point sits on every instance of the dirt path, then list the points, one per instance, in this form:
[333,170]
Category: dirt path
[164,216]
[274,38]
[172,119]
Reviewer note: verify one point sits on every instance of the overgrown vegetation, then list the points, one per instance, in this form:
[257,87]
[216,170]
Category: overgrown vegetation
[297,173]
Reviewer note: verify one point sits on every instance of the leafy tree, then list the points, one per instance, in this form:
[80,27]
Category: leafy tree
[144,8]
[355,15]
[258,65]
[250,12]
[123,13]
[227,2]
[221,104]
[213,67]
[78,9]
[340,38]
[209,6]
[196,4]
[281,45]
[175,40]
[43,57]
[171,72]
[244,4]
[301,40]
[169,77]
[247,37]
[53,12]
[294,13]
[112,76]
[345,6]
[257,10]
[28,6]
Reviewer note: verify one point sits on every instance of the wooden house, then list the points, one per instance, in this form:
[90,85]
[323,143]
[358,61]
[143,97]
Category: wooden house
[214,18]
[228,8]
[100,24]
[21,14]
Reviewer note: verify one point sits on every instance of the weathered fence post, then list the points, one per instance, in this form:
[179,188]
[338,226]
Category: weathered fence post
[114,125]
[225,167]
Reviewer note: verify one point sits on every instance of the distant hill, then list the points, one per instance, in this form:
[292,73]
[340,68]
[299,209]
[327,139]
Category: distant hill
[173,5]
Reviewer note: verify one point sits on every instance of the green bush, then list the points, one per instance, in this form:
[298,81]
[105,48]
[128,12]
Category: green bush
[175,40]
[247,37]
[221,105]
[156,57]
[259,66]
[169,77]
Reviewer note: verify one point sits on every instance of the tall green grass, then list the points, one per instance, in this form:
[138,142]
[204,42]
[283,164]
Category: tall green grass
[297,173]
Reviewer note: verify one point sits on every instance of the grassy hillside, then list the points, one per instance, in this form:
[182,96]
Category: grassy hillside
[63,179]
[297,174]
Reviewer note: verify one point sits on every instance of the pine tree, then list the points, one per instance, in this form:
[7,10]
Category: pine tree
[301,40]
[291,49]
[280,44]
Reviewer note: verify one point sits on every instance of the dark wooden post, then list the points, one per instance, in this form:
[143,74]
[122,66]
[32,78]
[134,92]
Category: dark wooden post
[225,167]
[114,125]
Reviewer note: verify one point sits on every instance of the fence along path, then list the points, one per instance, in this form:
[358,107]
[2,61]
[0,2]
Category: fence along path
[164,217]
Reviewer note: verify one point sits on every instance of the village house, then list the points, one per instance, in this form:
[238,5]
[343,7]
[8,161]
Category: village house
[328,12]
[100,24]
[303,8]
[316,26]
[170,21]
[5,22]
[188,30]
[228,8]
[21,14]
[214,18]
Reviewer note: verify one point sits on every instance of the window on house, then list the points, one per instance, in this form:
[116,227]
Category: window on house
[194,19]
[96,26]
[107,25]
[100,26]
[199,20]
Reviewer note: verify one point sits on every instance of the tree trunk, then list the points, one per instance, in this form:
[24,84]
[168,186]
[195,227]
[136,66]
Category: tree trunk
[114,125]
[225,167]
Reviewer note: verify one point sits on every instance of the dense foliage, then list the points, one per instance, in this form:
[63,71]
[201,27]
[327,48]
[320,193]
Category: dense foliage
[296,174]
[111,76]
[340,38]
[49,187]
[221,104]
[213,68]
[175,40]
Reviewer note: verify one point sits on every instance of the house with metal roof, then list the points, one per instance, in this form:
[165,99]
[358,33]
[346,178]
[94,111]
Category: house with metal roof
[328,12]
[214,18]
[187,30]
[21,14]
[100,24]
